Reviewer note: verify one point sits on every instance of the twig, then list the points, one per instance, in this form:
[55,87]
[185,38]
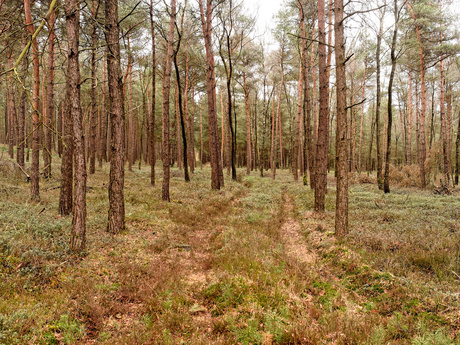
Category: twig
[456,274]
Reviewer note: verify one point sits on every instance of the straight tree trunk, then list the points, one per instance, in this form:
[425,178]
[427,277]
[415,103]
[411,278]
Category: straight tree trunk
[378,143]
[50,98]
[409,119]
[315,114]
[276,129]
[34,173]
[66,193]
[181,115]
[445,145]
[449,125]
[295,156]
[105,116]
[92,137]
[386,182]
[78,234]
[217,177]
[131,139]
[423,102]
[116,215]
[273,137]
[201,139]
[178,138]
[11,110]
[361,125]
[457,153]
[323,123]
[248,127]
[222,117]
[341,209]
[309,108]
[165,111]
[22,116]
[188,116]
[152,153]
[191,124]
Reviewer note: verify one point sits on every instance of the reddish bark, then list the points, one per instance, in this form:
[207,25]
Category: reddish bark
[49,99]
[217,177]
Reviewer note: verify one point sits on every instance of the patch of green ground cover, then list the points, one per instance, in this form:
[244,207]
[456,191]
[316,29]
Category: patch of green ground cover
[400,235]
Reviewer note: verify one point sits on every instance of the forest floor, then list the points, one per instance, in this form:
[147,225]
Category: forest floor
[249,264]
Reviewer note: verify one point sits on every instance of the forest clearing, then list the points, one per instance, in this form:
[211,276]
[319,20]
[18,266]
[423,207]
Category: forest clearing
[249,264]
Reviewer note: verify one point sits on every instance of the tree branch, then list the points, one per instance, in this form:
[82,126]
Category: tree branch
[356,104]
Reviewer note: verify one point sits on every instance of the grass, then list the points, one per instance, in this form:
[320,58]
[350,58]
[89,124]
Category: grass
[212,267]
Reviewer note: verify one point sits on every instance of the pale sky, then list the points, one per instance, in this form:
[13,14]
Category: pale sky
[265,9]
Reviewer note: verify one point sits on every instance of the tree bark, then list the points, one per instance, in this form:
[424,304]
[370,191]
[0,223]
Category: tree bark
[116,214]
[341,209]
[423,102]
[361,125]
[248,127]
[217,177]
[323,123]
[295,155]
[78,234]
[92,136]
[152,153]
[378,143]
[181,115]
[409,119]
[273,137]
[457,153]
[22,117]
[50,98]
[276,128]
[165,111]
[445,145]
[34,173]
[386,178]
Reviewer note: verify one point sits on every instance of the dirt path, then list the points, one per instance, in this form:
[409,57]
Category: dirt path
[295,243]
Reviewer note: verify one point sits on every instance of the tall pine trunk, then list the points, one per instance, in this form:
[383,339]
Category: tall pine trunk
[378,143]
[116,215]
[92,135]
[248,127]
[49,99]
[386,178]
[217,177]
[422,149]
[34,173]
[151,140]
[341,210]
[78,234]
[323,118]
[165,111]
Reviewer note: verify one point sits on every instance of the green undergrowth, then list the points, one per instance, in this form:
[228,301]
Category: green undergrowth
[213,267]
